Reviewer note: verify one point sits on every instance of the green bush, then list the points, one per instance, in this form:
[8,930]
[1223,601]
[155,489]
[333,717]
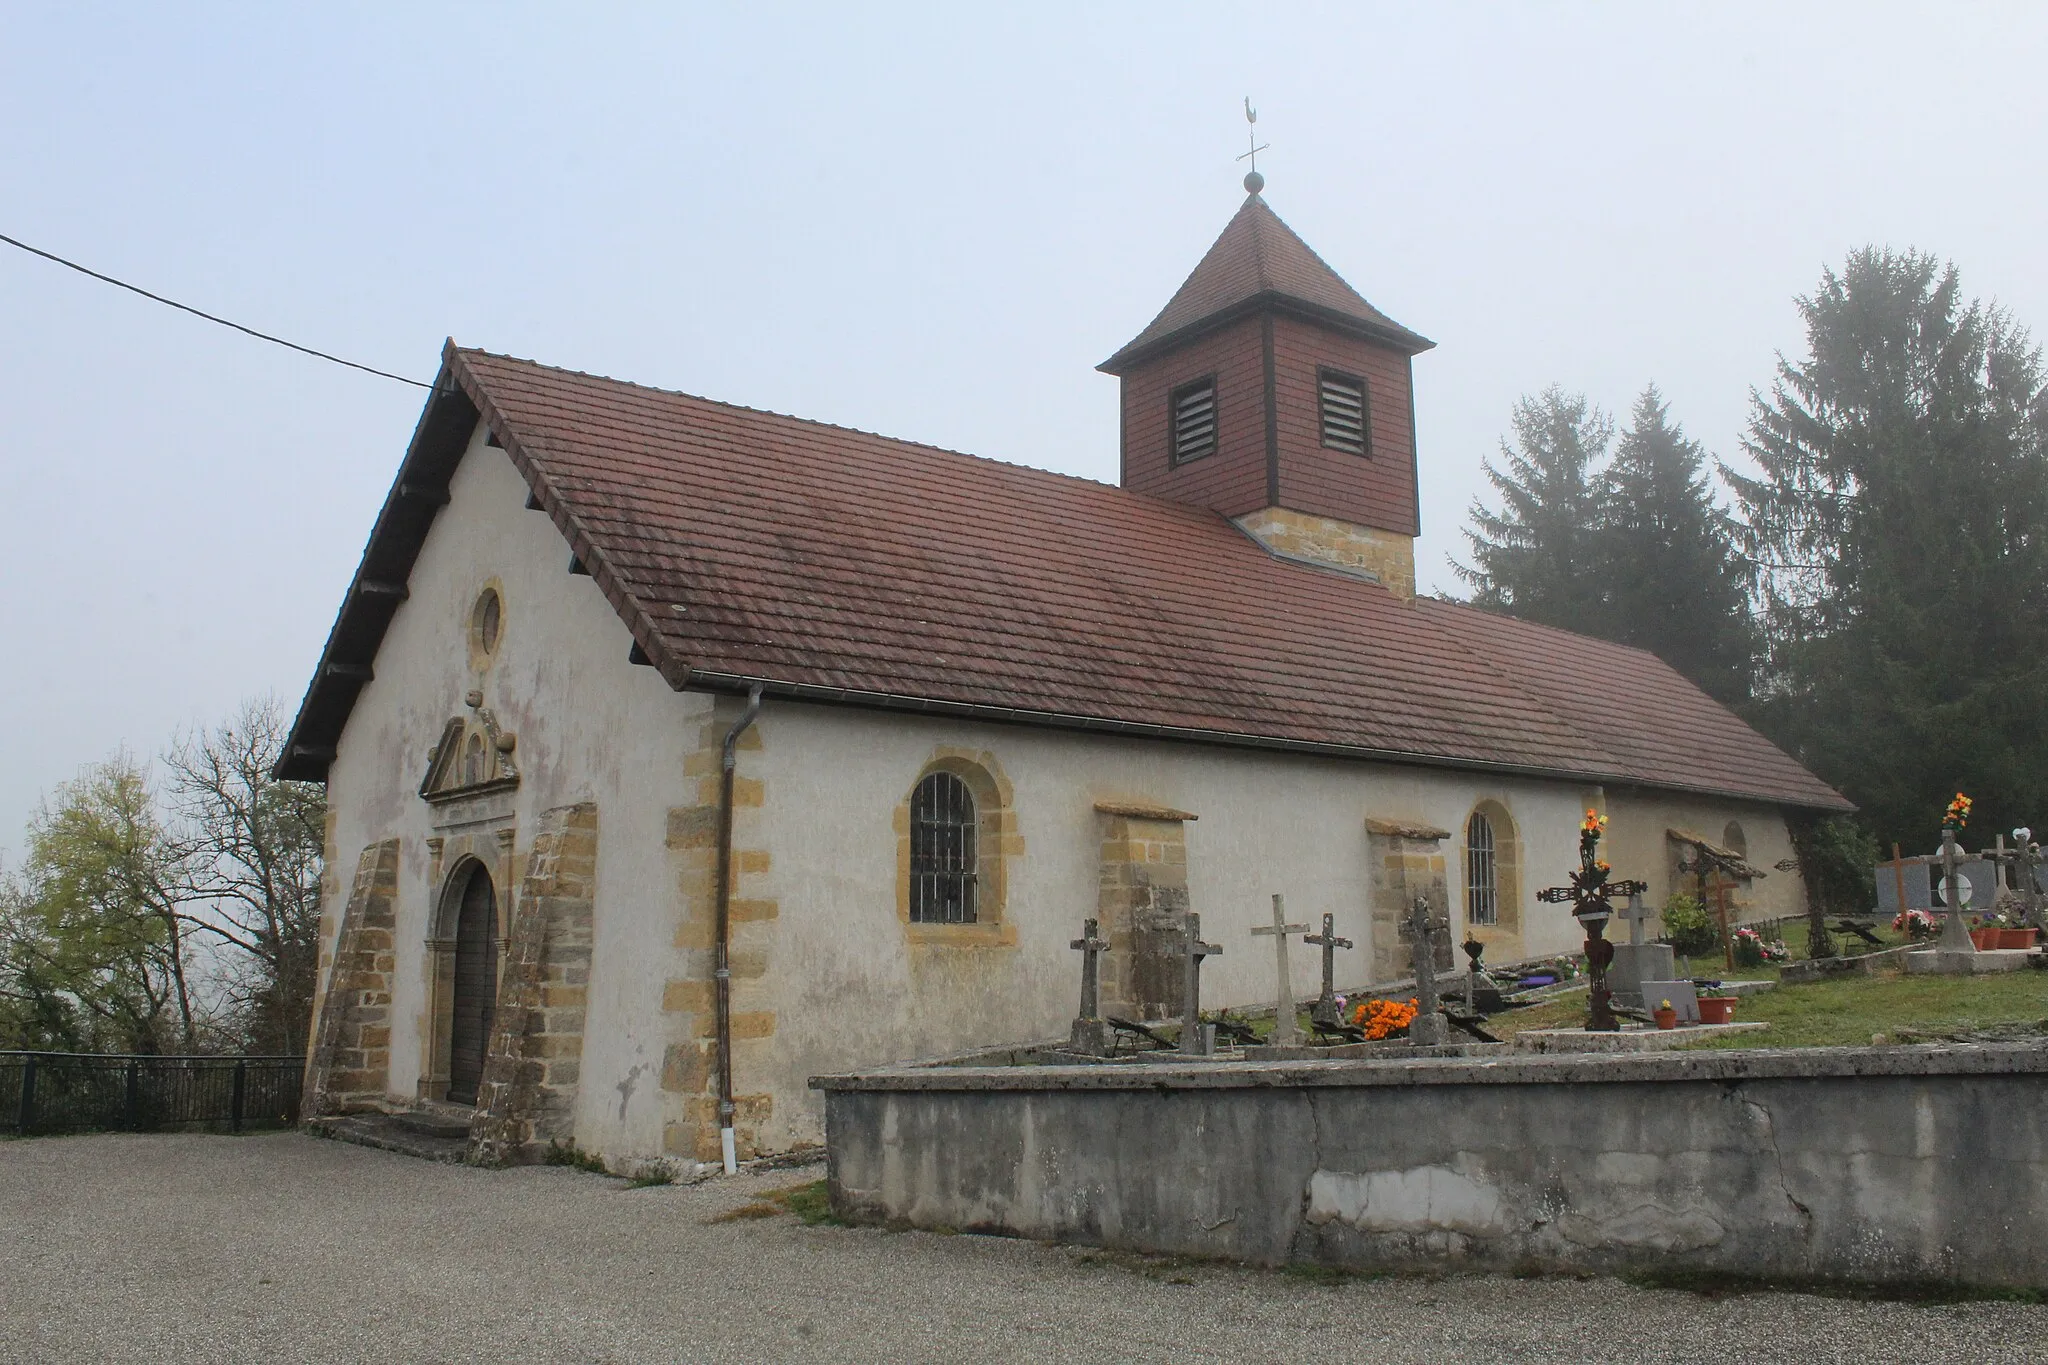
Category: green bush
[1688,928]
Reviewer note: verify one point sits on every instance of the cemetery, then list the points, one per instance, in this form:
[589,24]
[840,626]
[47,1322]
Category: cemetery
[1608,1113]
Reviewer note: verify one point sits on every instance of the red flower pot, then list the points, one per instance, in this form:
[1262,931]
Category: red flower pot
[1666,1018]
[2015,938]
[1717,1009]
[1984,939]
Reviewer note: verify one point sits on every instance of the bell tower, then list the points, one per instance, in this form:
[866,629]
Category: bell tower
[1269,390]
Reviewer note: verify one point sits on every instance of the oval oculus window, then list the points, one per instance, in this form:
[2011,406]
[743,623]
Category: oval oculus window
[486,618]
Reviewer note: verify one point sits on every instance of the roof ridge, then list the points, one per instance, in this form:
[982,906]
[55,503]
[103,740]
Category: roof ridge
[905,441]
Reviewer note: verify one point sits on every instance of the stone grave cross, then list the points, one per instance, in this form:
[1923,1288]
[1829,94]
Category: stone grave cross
[1955,894]
[1090,1034]
[1325,1011]
[1635,914]
[1193,950]
[2026,858]
[2023,858]
[1286,1032]
[1428,1024]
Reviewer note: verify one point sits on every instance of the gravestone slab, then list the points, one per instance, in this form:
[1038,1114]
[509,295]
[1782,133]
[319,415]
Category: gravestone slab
[1684,999]
[1635,963]
[1919,888]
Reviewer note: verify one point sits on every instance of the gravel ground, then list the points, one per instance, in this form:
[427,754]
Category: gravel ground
[288,1248]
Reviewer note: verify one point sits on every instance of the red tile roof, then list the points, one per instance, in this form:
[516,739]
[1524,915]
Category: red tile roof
[844,566]
[1259,259]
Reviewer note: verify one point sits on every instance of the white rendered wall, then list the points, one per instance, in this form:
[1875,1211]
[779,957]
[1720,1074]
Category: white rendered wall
[850,988]
[590,727]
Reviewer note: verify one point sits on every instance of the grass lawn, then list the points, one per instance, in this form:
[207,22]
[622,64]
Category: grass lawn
[1848,1011]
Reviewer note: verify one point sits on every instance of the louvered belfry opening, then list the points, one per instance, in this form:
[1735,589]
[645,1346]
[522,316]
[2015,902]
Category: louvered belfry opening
[1344,412]
[476,987]
[1194,420]
[944,841]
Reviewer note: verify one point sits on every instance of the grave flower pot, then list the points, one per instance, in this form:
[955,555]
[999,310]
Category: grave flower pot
[2015,938]
[1666,1017]
[1717,1009]
[1984,939]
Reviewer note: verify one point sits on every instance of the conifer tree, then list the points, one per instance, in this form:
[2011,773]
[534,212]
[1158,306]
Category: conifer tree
[1900,521]
[1674,581]
[1534,558]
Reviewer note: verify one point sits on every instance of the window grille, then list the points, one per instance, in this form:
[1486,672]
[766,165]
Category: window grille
[1345,412]
[1482,902]
[944,839]
[1194,420]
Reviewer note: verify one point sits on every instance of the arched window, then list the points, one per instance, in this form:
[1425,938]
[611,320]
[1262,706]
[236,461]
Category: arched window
[1482,886]
[944,841]
[473,761]
[1733,839]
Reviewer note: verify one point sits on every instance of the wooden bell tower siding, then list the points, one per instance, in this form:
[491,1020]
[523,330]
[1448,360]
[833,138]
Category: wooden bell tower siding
[1267,321]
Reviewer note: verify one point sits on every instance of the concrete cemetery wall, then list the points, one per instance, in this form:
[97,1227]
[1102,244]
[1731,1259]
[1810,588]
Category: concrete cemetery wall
[1856,1164]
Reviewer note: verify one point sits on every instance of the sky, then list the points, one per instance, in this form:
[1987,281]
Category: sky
[927,221]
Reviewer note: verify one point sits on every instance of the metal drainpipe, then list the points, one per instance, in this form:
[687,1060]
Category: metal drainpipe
[722,972]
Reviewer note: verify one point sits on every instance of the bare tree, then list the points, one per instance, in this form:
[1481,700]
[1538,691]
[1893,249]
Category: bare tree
[250,849]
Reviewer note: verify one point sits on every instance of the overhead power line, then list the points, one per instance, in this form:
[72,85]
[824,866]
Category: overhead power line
[201,313]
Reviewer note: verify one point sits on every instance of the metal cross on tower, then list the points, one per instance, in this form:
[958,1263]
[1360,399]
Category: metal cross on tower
[1253,181]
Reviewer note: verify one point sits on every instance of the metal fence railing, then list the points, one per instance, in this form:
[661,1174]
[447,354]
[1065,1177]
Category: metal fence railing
[72,1092]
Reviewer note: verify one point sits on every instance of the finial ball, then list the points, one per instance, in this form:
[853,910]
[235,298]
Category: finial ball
[1254,182]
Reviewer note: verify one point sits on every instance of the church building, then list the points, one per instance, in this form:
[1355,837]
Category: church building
[677,752]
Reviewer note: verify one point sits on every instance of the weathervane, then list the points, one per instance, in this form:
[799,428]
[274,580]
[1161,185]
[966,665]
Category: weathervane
[1253,181]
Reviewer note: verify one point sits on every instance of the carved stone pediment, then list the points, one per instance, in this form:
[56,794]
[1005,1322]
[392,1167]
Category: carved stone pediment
[473,757]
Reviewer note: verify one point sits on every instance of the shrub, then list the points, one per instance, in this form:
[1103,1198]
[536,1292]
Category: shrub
[1688,928]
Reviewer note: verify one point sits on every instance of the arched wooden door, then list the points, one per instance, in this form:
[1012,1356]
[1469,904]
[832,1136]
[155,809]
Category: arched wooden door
[476,987]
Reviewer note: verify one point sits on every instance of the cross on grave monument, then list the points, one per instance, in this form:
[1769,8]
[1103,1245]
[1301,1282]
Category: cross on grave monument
[1325,1011]
[1090,1033]
[1193,950]
[1639,960]
[2023,858]
[1286,1032]
[1588,896]
[1955,894]
[1427,1028]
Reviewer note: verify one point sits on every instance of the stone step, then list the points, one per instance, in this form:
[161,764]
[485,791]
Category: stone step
[440,1121]
[385,1132]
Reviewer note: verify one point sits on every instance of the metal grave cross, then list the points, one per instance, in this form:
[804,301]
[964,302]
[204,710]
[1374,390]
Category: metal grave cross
[1193,950]
[1286,1032]
[1325,1011]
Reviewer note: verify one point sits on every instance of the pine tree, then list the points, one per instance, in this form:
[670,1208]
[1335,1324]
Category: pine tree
[1674,581]
[1900,521]
[1535,557]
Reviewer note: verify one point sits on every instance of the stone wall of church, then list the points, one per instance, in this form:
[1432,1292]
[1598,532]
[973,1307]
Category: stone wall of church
[852,983]
[589,729]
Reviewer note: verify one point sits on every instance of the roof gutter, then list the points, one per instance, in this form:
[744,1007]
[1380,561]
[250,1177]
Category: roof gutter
[704,680]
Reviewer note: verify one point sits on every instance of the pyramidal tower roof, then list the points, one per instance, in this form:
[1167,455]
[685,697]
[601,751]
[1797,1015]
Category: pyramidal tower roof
[1257,262]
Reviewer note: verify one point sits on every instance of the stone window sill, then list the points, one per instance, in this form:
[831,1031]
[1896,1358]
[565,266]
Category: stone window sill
[980,935]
